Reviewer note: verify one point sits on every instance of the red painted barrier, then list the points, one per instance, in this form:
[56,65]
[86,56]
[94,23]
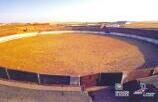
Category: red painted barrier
[89,80]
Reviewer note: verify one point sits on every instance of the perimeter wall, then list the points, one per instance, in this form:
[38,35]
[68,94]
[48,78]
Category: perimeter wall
[98,79]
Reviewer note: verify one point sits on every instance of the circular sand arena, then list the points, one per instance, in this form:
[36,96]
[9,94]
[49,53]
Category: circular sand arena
[70,54]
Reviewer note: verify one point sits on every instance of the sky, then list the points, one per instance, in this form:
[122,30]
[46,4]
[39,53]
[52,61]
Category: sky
[77,10]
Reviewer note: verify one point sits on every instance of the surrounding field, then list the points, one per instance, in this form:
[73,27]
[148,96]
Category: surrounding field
[147,25]
[10,29]
[72,54]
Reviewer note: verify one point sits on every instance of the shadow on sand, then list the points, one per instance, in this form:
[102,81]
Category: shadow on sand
[149,51]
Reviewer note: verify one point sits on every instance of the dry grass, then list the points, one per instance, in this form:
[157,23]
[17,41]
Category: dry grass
[10,29]
[142,25]
[72,54]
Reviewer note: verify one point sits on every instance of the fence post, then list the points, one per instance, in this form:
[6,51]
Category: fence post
[79,80]
[99,80]
[38,76]
[8,76]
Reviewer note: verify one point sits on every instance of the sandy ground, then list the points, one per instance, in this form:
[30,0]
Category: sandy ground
[13,94]
[72,54]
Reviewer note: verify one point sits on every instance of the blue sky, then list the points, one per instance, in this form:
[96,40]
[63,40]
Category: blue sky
[77,10]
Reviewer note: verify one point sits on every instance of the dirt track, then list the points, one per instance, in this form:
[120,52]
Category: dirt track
[73,54]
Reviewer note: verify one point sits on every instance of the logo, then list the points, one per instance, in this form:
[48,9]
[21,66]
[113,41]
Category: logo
[122,93]
[149,94]
[140,91]
[119,91]
[142,85]
[118,86]
[143,91]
